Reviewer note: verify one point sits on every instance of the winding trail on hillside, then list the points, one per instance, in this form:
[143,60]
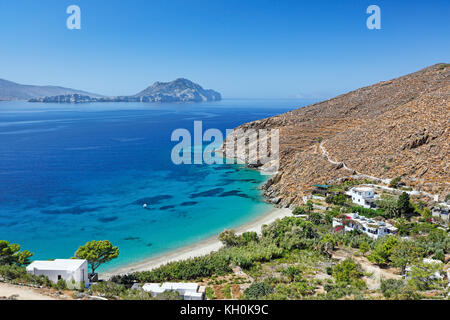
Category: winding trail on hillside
[360,175]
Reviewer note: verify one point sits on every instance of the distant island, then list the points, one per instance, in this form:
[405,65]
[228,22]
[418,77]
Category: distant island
[179,90]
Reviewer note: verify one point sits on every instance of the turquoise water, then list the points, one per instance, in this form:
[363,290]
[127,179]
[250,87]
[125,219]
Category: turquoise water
[73,173]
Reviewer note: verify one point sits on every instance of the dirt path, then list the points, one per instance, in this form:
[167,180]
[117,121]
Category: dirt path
[413,192]
[374,280]
[22,293]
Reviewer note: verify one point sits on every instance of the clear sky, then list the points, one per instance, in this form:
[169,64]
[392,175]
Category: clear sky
[242,48]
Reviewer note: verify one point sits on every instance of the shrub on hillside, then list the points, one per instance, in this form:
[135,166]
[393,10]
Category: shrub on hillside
[257,291]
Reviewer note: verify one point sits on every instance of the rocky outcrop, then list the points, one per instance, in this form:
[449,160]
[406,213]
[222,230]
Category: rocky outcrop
[180,90]
[393,128]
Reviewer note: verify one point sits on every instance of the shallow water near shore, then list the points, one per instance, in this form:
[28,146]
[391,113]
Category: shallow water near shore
[74,173]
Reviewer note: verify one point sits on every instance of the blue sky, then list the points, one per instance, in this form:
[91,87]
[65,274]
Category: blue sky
[242,48]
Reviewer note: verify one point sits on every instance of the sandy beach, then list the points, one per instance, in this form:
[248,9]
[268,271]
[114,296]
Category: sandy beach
[200,248]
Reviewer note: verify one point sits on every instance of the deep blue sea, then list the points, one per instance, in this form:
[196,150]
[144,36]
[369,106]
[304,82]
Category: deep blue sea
[74,173]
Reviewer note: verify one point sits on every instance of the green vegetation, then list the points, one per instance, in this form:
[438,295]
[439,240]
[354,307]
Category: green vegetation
[10,254]
[257,291]
[395,182]
[293,258]
[16,275]
[348,272]
[398,290]
[404,205]
[299,211]
[97,253]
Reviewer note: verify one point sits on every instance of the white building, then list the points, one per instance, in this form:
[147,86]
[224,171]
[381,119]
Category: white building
[441,211]
[73,271]
[374,229]
[363,196]
[189,291]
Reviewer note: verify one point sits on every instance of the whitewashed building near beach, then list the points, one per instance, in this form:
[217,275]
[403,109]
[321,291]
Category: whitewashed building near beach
[73,271]
[374,229]
[189,291]
[363,196]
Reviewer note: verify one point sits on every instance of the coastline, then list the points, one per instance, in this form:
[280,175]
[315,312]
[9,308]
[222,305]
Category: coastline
[197,249]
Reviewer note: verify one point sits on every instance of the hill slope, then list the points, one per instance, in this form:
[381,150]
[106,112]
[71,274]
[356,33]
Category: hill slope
[13,91]
[392,128]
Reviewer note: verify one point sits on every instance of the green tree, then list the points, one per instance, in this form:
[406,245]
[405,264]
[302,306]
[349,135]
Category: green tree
[422,276]
[248,237]
[398,290]
[389,205]
[364,247]
[404,205]
[10,254]
[347,272]
[298,211]
[309,206]
[97,252]
[405,253]
[229,238]
[382,250]
[315,218]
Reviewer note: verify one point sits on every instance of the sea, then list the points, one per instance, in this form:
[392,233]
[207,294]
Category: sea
[72,173]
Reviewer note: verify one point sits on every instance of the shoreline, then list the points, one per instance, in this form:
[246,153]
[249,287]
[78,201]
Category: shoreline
[197,249]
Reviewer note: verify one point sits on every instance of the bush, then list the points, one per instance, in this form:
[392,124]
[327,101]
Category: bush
[16,274]
[348,272]
[395,182]
[364,247]
[204,266]
[315,218]
[257,291]
[290,233]
[107,289]
[382,250]
[246,256]
[369,213]
[230,239]
[210,293]
[60,285]
[398,290]
[298,211]
[293,273]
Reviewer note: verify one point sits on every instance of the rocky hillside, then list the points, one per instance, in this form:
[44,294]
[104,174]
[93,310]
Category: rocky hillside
[392,128]
[14,91]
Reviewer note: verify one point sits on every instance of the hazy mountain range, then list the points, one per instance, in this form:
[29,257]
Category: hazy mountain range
[14,91]
[179,90]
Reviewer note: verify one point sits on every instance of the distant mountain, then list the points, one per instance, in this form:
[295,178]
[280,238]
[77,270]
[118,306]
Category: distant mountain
[13,91]
[179,90]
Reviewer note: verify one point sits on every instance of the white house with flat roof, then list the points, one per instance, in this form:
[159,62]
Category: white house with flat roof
[189,291]
[363,196]
[441,211]
[73,271]
[374,229]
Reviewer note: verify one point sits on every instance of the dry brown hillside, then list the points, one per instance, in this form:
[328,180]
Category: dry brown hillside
[392,128]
